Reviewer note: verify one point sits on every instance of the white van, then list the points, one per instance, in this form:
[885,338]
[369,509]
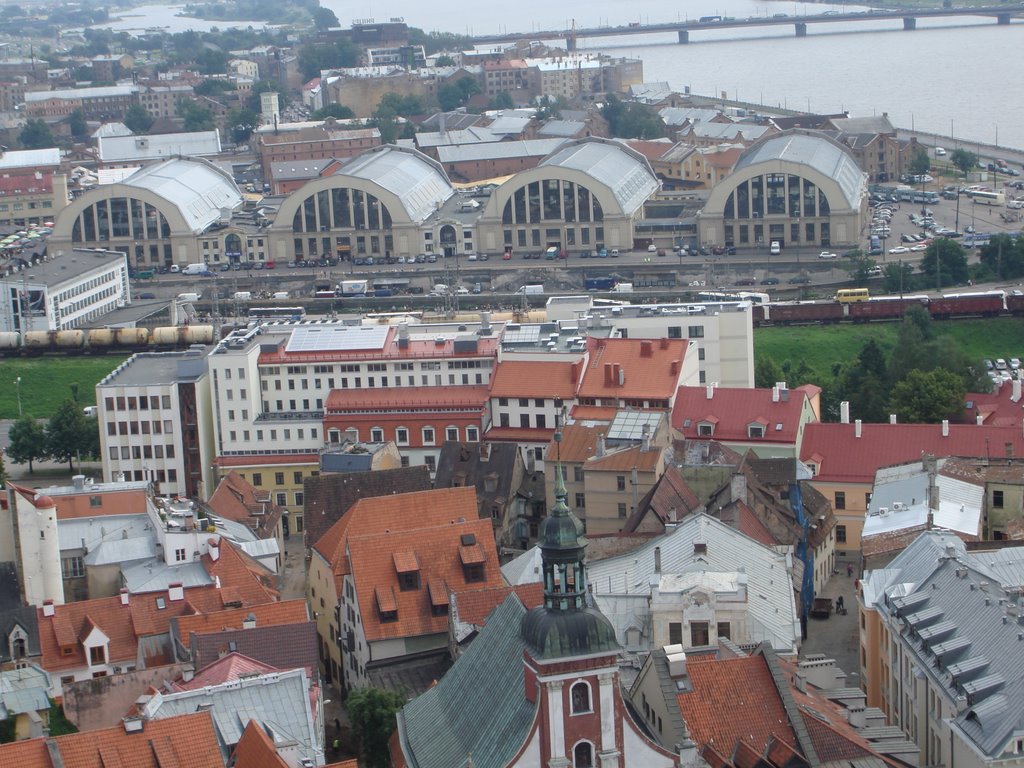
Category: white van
[189,296]
[193,269]
[243,295]
[280,294]
[775,248]
[940,152]
[531,290]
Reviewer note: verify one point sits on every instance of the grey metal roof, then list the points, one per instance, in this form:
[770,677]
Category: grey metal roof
[626,173]
[505,125]
[29,158]
[278,701]
[729,131]
[155,575]
[419,182]
[561,128]
[824,156]
[680,115]
[112,129]
[494,150]
[292,170]
[478,712]
[981,659]
[120,148]
[198,189]
[156,368]
[97,92]
[23,690]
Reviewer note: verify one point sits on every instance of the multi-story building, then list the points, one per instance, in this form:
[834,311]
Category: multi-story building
[31,197]
[156,422]
[162,100]
[328,141]
[133,151]
[109,102]
[67,292]
[940,637]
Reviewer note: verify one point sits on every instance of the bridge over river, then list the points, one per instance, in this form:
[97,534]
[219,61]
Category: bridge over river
[1002,14]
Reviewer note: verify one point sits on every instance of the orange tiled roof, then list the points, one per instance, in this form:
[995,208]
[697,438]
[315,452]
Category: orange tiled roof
[732,409]
[519,434]
[439,550]
[112,502]
[223,670]
[249,580]
[579,442]
[475,605]
[649,368]
[745,689]
[256,750]
[593,412]
[620,459]
[268,614]
[420,398]
[536,379]
[186,741]
[237,499]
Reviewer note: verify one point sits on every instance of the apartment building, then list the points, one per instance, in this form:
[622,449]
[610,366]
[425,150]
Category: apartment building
[100,103]
[31,197]
[327,141]
[156,422]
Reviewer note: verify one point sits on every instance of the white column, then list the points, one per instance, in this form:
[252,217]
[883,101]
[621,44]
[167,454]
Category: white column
[607,680]
[556,730]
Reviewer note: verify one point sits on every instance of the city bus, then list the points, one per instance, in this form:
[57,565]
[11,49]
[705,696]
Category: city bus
[852,295]
[987,197]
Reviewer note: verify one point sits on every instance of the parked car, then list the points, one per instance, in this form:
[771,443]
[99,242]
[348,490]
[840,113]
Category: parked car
[745,281]
[799,280]
[770,281]
[828,255]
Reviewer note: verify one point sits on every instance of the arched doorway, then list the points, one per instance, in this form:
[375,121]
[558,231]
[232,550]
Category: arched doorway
[233,248]
[449,240]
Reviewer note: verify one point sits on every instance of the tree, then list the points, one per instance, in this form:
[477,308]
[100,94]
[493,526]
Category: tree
[372,714]
[315,57]
[1004,257]
[395,105]
[865,384]
[631,121]
[137,119]
[77,124]
[928,396]
[213,87]
[944,263]
[766,372]
[449,97]
[897,277]
[919,162]
[197,117]
[26,441]
[36,135]
[337,111]
[3,470]
[241,123]
[963,160]
[69,433]
[502,100]
[444,60]
[324,18]
[258,88]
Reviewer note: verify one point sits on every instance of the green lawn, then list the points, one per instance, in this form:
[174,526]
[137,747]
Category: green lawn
[821,346]
[46,382]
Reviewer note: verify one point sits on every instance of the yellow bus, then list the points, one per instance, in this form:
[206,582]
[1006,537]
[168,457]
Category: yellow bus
[851,295]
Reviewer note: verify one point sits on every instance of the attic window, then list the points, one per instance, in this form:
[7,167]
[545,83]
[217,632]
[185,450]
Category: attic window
[95,501]
[67,650]
[705,430]
[387,606]
[468,539]
[438,598]
[473,572]
[755,430]
[700,547]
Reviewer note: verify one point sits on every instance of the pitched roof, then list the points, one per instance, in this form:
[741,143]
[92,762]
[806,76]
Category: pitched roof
[670,499]
[235,571]
[230,667]
[474,605]
[625,458]
[733,409]
[649,369]
[996,408]
[442,551]
[745,689]
[579,442]
[328,497]
[393,398]
[256,750]
[268,614]
[546,379]
[282,646]
[237,499]
[465,464]
[842,457]
[187,741]
[478,708]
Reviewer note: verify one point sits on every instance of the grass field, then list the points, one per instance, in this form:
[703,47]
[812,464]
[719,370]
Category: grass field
[821,346]
[46,382]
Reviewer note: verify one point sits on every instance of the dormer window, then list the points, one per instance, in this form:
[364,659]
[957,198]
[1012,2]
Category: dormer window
[387,605]
[755,430]
[97,656]
[473,558]
[407,567]
[704,429]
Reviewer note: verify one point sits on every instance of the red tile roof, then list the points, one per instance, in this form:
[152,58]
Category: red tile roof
[26,184]
[842,457]
[519,434]
[593,412]
[249,580]
[536,379]
[579,442]
[268,614]
[732,409]
[622,459]
[223,670]
[419,398]
[649,368]
[744,689]
[418,348]
[996,408]
[475,605]
[238,500]
[256,750]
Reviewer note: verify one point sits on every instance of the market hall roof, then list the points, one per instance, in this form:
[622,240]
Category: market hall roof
[418,181]
[625,172]
[198,189]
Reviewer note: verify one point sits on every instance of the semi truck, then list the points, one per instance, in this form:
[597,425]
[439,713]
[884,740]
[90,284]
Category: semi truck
[354,287]
[599,283]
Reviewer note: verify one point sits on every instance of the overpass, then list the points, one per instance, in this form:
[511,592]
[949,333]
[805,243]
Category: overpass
[1002,14]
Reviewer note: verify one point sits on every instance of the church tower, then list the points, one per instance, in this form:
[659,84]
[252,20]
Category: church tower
[570,657]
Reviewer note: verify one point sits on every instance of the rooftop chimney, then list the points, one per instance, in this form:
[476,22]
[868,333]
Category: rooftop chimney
[673,367]
[710,391]
[844,412]
[676,661]
[600,445]
[214,549]
[664,342]
[646,349]
[657,559]
[945,427]
[775,393]
[133,724]
[175,592]
[1015,395]
[78,481]
[48,609]
[979,419]
[609,375]
[249,622]
[124,596]
[622,376]
[892,418]
[856,428]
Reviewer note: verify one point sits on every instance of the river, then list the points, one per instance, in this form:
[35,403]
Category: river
[956,77]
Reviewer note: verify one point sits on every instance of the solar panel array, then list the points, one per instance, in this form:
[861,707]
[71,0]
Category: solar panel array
[337,338]
[525,334]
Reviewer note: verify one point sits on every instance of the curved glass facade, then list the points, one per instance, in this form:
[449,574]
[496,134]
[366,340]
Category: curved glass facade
[125,224]
[571,212]
[787,208]
[357,221]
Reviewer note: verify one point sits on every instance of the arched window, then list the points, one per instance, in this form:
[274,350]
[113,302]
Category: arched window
[583,755]
[579,698]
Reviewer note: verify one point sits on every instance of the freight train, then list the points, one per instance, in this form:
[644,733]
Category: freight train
[104,340]
[883,308]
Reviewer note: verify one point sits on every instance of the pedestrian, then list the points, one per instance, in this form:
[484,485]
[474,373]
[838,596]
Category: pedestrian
[336,746]
[849,570]
[337,725]
[840,605]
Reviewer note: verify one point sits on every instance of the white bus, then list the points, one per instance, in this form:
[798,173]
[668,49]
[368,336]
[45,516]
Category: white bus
[986,197]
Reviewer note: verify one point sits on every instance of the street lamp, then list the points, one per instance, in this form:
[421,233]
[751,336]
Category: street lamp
[17,384]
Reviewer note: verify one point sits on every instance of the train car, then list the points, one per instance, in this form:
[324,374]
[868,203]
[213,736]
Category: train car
[983,304]
[10,342]
[183,336]
[883,308]
[806,312]
[42,341]
[1015,304]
